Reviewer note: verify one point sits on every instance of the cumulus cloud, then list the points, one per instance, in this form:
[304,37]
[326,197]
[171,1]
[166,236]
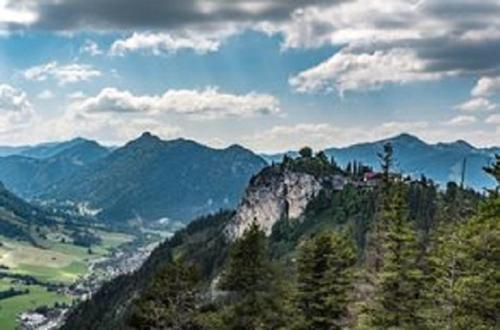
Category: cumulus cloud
[15,108]
[63,74]
[438,38]
[486,86]
[158,43]
[18,15]
[461,121]
[349,71]
[476,104]
[209,103]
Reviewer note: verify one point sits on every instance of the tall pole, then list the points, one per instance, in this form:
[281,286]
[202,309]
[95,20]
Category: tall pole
[462,178]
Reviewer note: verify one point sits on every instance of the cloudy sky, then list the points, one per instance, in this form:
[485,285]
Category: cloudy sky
[271,75]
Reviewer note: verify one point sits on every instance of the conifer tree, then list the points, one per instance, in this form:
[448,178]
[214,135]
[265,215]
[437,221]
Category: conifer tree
[259,299]
[464,287]
[325,277]
[170,301]
[398,285]
[378,230]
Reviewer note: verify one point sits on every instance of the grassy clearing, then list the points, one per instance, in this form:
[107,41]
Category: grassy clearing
[56,262]
[38,296]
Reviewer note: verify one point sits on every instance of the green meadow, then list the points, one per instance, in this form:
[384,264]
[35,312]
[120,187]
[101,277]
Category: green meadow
[55,262]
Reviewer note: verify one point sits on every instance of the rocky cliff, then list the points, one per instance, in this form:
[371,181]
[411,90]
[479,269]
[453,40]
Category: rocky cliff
[272,195]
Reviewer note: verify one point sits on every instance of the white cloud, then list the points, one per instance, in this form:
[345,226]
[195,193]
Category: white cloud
[476,104]
[393,41]
[15,108]
[348,71]
[493,119]
[91,47]
[486,86]
[461,121]
[158,43]
[209,103]
[45,95]
[64,74]
[19,15]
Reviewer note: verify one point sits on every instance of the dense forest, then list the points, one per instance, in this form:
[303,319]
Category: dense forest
[402,254]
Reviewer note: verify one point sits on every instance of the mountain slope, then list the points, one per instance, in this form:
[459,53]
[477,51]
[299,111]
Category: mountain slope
[441,162]
[276,194]
[150,179]
[19,219]
[30,175]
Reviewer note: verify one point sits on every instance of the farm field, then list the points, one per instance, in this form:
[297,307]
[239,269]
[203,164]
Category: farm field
[37,296]
[54,263]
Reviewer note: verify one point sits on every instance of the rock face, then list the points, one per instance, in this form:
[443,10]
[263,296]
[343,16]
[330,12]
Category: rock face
[271,196]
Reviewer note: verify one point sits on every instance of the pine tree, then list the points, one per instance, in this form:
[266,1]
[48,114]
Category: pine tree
[259,299]
[325,277]
[464,287]
[170,301]
[378,230]
[398,284]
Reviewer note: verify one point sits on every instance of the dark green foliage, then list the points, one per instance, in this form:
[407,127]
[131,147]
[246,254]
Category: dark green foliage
[200,244]
[257,296]
[325,281]
[85,239]
[399,282]
[318,165]
[170,301]
[463,291]
[306,152]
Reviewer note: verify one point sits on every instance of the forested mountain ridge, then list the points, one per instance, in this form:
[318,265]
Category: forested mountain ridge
[36,169]
[150,179]
[441,162]
[399,236]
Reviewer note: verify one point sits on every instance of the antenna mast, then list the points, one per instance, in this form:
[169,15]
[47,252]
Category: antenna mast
[462,177]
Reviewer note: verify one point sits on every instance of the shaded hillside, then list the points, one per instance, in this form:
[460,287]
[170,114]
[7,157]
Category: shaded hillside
[442,162]
[19,219]
[151,179]
[29,175]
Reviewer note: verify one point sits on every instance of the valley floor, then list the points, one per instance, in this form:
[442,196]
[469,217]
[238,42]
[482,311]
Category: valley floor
[58,274]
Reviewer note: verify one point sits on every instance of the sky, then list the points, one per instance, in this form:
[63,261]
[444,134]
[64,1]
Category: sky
[269,75]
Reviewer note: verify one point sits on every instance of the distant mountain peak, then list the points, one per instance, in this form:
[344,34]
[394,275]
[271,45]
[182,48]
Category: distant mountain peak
[464,143]
[148,136]
[145,139]
[406,138]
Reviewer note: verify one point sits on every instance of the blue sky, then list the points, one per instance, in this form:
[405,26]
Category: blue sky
[268,75]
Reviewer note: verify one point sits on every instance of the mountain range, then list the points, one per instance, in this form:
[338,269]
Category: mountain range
[441,162]
[151,179]
[35,169]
